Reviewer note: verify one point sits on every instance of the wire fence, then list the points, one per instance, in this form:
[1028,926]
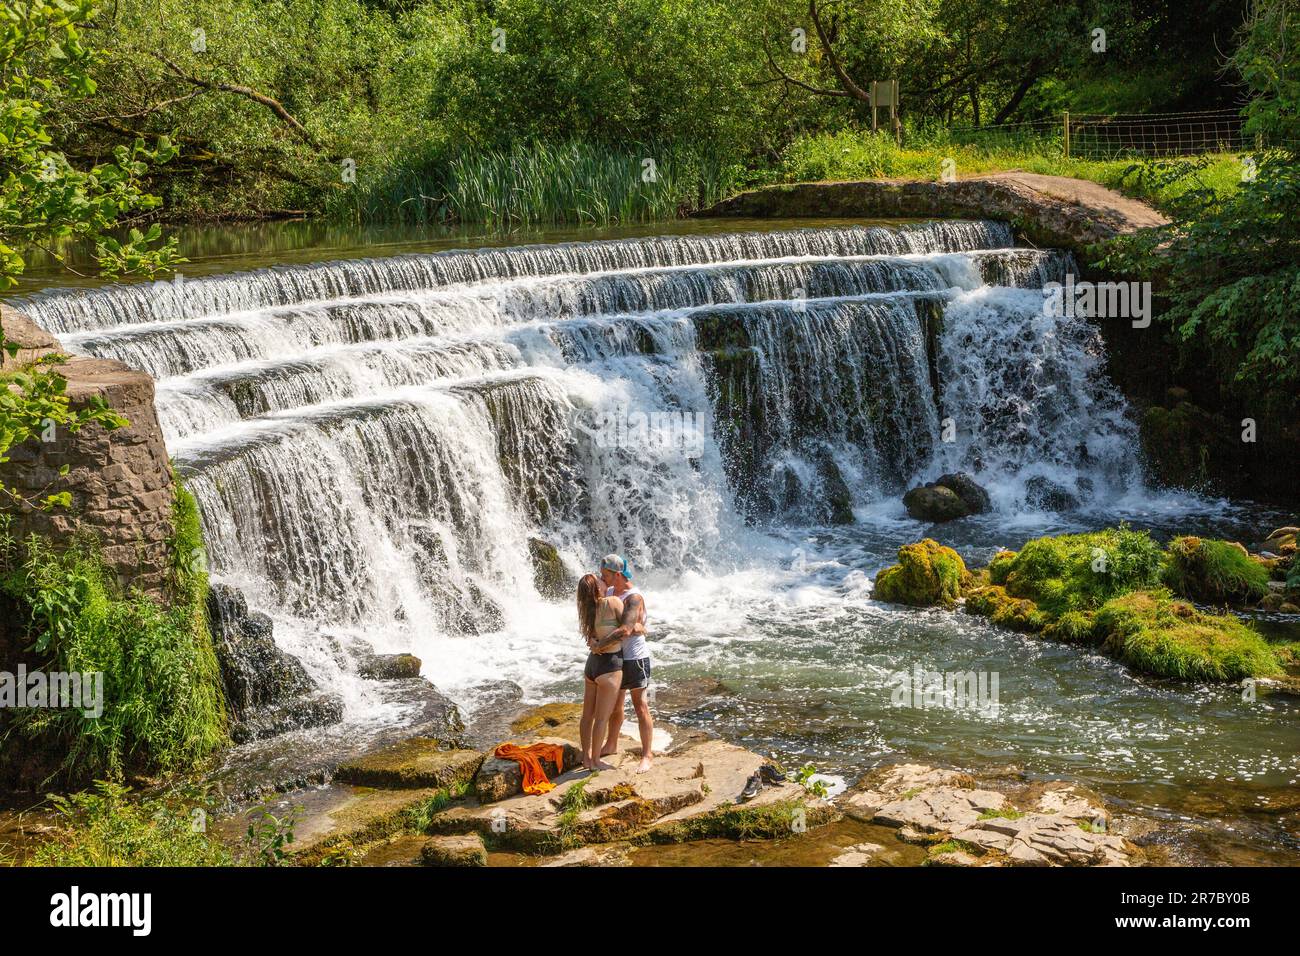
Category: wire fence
[1122,135]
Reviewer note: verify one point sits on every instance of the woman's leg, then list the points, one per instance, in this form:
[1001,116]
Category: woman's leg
[615,724]
[588,718]
[608,693]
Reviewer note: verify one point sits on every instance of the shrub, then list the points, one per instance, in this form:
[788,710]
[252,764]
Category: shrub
[106,827]
[163,706]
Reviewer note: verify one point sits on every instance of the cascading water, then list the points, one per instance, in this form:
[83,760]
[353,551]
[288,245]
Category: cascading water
[373,442]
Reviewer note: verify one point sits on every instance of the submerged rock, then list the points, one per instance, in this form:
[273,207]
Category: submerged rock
[927,574]
[1048,495]
[389,666]
[467,850]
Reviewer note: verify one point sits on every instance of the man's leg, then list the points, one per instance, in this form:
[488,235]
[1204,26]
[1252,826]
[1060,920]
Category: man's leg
[615,726]
[646,725]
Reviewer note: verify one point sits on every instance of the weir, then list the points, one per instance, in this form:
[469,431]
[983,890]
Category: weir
[373,443]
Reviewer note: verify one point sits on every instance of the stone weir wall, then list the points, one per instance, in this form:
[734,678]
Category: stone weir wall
[1046,210]
[120,480]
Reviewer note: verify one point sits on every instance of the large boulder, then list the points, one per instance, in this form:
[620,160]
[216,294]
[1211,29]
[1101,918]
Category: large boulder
[498,779]
[389,666]
[950,496]
[927,574]
[1048,495]
[934,503]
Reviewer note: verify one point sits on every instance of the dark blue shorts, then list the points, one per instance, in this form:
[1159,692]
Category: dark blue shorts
[636,673]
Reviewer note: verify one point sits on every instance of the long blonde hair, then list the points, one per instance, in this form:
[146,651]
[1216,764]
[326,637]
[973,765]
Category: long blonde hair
[590,591]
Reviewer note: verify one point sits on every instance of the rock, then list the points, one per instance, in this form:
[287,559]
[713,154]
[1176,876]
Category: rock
[551,578]
[498,779]
[968,825]
[1048,495]
[935,503]
[467,850]
[972,494]
[389,666]
[612,855]
[268,691]
[546,717]
[860,854]
[691,793]
[1215,572]
[835,492]
[317,709]
[417,762]
[927,574]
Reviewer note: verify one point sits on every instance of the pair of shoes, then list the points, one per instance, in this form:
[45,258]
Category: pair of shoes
[767,774]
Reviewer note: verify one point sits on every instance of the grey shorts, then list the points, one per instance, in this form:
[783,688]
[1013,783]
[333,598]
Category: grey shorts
[636,673]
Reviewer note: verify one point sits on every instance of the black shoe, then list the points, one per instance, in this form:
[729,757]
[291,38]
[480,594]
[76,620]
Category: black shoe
[771,774]
[753,787]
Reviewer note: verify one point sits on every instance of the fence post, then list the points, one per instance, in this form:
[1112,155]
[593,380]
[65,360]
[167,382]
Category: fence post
[1067,134]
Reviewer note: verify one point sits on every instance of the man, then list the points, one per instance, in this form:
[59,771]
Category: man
[636,658]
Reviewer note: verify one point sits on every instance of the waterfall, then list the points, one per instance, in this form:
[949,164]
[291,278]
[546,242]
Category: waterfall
[373,442]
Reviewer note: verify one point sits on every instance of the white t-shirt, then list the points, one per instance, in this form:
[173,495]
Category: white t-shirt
[634,645]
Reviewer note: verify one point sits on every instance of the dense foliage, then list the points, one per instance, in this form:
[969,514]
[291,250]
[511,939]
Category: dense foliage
[441,108]
[1229,264]
[163,708]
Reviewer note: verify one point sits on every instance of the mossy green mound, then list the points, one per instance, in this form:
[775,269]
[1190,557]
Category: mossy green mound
[1080,572]
[1156,634]
[927,574]
[1215,572]
[1018,614]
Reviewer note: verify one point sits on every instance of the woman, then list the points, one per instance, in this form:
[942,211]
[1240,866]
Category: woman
[598,615]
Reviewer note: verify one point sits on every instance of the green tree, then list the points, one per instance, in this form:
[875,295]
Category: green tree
[46,202]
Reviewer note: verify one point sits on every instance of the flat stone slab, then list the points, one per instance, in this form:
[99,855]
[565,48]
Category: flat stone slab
[417,762]
[465,850]
[966,824]
[691,792]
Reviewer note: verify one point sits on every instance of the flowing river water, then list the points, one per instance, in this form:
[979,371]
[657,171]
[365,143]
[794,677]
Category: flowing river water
[737,407]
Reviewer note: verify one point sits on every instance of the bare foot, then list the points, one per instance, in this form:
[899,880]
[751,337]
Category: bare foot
[586,764]
[601,765]
[609,753]
[644,765]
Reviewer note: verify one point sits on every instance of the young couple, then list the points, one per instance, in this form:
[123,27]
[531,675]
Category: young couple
[611,617]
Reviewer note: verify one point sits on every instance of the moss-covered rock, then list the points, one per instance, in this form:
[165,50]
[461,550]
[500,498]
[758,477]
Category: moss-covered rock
[1001,566]
[935,503]
[1074,627]
[414,762]
[551,578]
[1156,634]
[1080,572]
[1215,572]
[1017,614]
[927,574]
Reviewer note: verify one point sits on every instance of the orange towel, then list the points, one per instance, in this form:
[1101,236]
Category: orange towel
[530,763]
